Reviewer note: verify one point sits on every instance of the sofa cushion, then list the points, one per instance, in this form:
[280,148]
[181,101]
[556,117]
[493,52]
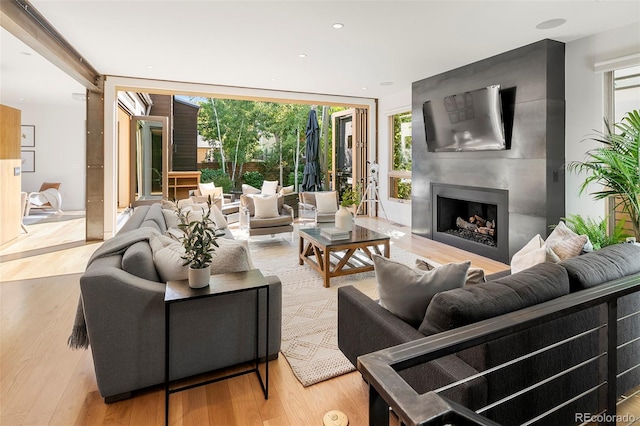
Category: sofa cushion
[474,275]
[534,252]
[326,202]
[155,218]
[248,189]
[565,243]
[286,190]
[231,256]
[269,187]
[138,260]
[167,258]
[463,306]
[282,220]
[608,263]
[406,292]
[170,218]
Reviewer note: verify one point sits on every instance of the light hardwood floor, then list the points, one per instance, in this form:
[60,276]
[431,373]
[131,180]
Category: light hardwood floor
[43,382]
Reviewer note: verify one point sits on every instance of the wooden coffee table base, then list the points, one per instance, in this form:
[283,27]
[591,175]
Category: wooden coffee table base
[338,259]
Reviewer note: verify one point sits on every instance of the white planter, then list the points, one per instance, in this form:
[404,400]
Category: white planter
[199,278]
[344,219]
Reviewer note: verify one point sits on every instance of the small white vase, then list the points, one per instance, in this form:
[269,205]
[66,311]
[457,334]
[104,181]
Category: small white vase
[199,278]
[344,219]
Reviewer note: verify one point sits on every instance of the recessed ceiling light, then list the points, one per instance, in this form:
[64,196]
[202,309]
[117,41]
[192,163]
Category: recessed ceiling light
[337,25]
[364,88]
[274,79]
[551,23]
[386,83]
[302,55]
[150,67]
[21,99]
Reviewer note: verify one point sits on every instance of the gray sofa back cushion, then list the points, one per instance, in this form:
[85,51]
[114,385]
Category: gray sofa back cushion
[136,219]
[463,306]
[608,263]
[155,218]
[138,261]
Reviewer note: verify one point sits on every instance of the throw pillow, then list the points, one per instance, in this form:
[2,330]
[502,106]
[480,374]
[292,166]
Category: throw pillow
[248,189]
[218,217]
[185,202]
[266,206]
[534,252]
[167,257]
[566,243]
[406,292]
[170,217]
[231,256]
[474,275]
[286,190]
[326,202]
[169,205]
[206,189]
[269,187]
[138,260]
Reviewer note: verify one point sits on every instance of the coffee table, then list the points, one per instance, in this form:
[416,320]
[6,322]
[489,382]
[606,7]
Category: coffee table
[334,258]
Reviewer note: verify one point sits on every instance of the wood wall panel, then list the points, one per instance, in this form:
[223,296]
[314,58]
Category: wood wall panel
[10,182]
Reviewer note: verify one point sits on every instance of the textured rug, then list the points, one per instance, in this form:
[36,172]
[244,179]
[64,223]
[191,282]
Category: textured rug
[310,314]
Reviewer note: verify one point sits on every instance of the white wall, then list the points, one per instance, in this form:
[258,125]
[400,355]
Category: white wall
[60,150]
[585,103]
[397,103]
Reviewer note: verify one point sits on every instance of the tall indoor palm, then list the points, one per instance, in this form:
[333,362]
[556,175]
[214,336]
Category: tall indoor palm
[616,166]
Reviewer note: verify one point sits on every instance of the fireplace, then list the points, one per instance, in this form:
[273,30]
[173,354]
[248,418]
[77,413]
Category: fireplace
[471,218]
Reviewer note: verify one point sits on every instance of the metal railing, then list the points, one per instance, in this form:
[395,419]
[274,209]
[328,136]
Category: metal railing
[387,389]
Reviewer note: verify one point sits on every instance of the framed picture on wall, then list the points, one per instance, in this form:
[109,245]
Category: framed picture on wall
[27,136]
[28,161]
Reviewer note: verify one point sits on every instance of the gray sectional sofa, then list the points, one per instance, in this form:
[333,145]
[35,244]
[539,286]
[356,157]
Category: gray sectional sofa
[365,327]
[123,301]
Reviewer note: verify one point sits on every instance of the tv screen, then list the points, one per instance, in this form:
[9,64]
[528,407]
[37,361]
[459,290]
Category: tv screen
[469,121]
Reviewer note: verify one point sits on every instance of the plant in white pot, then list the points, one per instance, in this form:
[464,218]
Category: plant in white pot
[199,243]
[344,216]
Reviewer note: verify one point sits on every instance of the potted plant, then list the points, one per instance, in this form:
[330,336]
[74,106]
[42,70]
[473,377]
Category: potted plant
[199,243]
[616,166]
[344,217]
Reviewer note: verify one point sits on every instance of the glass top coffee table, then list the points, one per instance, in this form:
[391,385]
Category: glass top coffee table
[334,258]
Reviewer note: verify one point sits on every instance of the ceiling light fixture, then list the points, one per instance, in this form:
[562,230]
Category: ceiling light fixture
[386,83]
[551,23]
[337,25]
[364,88]
[150,67]
[302,55]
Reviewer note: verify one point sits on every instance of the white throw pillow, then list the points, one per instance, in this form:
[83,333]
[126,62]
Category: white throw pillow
[326,202]
[566,243]
[248,189]
[406,292]
[170,218]
[266,206]
[286,190]
[218,217]
[269,187]
[534,252]
[167,257]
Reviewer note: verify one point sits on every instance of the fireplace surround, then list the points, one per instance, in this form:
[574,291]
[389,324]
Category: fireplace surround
[452,201]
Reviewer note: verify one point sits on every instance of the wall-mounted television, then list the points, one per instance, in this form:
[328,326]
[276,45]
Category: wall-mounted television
[469,121]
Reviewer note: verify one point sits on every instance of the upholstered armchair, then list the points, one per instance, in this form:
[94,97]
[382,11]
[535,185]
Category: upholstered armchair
[322,208]
[265,214]
[48,197]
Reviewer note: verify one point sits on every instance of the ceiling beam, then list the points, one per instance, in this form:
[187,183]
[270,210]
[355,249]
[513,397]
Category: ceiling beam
[24,21]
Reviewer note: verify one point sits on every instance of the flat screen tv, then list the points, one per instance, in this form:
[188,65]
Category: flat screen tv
[469,121]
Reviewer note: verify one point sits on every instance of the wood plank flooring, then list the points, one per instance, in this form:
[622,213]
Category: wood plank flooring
[42,382]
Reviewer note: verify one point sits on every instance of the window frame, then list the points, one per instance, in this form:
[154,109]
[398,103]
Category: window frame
[392,173]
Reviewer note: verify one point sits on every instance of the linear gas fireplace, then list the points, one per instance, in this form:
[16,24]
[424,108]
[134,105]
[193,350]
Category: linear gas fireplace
[471,218]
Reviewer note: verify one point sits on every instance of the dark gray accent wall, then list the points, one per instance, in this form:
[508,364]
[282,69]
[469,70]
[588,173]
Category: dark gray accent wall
[531,170]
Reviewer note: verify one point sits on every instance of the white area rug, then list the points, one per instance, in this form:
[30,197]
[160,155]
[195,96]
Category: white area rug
[309,310]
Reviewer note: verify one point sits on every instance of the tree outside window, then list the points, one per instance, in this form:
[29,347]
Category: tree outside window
[400,173]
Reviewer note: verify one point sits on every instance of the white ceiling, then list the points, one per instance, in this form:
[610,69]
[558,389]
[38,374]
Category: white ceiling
[256,43]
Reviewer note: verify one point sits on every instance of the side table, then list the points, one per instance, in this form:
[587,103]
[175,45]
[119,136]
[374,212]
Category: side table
[236,282]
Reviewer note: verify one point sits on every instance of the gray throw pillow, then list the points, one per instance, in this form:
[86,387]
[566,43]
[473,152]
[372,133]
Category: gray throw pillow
[138,260]
[406,292]
[474,275]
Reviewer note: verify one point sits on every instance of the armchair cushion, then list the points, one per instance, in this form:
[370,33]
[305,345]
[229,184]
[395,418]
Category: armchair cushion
[326,202]
[246,201]
[266,207]
[210,189]
[248,189]
[269,187]
[286,190]
[281,220]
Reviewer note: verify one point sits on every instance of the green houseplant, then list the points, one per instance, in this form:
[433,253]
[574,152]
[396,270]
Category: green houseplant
[616,166]
[344,217]
[199,242]
[350,196]
[596,230]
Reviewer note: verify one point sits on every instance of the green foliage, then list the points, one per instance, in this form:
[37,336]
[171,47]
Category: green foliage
[291,179]
[404,190]
[254,179]
[199,238]
[350,196]
[401,147]
[218,177]
[596,230]
[616,166]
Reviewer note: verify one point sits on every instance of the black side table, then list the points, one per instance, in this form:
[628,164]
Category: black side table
[236,282]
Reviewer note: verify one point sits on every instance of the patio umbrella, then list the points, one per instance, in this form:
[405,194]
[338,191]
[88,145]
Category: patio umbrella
[311,176]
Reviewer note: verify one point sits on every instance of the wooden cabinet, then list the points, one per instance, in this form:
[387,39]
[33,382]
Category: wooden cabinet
[10,180]
[180,183]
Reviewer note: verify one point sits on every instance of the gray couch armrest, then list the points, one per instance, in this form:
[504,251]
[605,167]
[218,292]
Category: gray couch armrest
[364,326]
